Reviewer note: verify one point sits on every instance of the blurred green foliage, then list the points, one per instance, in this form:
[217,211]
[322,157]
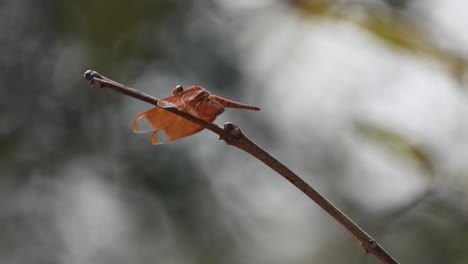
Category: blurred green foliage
[397,145]
[392,27]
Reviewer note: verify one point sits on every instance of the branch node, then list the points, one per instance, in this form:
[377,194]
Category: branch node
[371,245]
[233,130]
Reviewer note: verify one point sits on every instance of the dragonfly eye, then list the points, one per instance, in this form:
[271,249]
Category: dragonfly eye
[177,90]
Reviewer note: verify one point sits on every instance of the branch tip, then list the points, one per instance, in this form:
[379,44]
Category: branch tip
[90,75]
[94,78]
[87,74]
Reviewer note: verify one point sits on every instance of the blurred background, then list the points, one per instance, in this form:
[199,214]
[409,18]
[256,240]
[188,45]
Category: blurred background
[366,100]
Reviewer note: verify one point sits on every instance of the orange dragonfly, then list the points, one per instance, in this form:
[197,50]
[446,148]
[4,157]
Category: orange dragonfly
[195,100]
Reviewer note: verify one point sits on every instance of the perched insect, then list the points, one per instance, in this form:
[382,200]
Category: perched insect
[195,100]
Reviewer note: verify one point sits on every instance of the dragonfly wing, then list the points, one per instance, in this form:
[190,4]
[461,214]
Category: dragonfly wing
[147,121]
[142,124]
[175,128]
[166,126]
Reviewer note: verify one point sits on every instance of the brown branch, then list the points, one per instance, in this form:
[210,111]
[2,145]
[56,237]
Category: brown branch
[233,136]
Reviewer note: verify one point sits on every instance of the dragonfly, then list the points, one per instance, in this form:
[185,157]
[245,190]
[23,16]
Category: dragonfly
[167,127]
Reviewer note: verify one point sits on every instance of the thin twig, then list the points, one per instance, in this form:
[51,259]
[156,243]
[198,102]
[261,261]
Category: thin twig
[233,136]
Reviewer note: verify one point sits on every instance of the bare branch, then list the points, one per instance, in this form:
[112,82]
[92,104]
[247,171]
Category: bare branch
[233,136]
